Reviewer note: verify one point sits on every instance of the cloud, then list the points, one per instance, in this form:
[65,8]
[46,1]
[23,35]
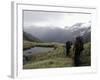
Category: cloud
[47,19]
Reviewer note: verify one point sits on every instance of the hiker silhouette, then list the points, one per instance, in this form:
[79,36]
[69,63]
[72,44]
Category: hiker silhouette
[68,46]
[78,48]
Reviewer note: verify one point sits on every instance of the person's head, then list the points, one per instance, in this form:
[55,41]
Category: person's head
[79,39]
[69,42]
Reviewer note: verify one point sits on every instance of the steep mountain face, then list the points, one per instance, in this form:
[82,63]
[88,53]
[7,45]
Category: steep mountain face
[55,34]
[29,37]
[87,35]
[82,29]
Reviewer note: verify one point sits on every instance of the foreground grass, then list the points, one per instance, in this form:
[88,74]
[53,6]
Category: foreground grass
[85,56]
[50,63]
[51,59]
[56,58]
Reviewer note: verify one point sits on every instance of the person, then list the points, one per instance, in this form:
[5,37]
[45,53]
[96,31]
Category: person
[68,46]
[78,48]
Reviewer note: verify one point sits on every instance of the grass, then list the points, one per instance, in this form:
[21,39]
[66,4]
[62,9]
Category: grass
[27,45]
[56,57]
[86,55]
[49,63]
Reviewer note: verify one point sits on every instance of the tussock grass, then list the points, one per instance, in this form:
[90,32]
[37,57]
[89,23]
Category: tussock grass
[50,63]
[86,55]
[56,57]
[51,59]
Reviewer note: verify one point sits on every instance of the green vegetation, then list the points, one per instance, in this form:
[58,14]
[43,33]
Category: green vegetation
[27,45]
[54,58]
[86,55]
[49,63]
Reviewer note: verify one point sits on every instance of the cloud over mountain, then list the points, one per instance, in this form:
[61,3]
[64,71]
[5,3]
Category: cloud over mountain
[57,34]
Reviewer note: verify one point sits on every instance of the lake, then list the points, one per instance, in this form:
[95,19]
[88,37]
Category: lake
[36,50]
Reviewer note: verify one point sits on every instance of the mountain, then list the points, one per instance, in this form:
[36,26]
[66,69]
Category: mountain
[49,34]
[82,29]
[29,37]
[87,35]
[57,34]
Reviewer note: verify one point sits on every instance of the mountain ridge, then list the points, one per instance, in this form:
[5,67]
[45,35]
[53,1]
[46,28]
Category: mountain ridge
[62,34]
[29,37]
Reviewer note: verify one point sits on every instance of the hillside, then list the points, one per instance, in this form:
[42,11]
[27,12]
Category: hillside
[57,34]
[29,37]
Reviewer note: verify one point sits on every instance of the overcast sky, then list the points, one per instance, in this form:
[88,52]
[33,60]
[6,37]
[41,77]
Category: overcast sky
[55,19]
